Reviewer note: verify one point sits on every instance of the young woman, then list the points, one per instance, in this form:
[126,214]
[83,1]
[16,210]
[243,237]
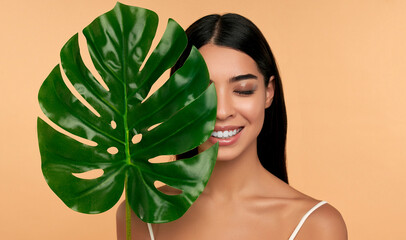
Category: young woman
[247,196]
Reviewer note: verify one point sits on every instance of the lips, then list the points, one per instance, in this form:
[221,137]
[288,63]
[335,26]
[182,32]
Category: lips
[226,135]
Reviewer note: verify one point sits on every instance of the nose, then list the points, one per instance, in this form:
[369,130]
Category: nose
[225,107]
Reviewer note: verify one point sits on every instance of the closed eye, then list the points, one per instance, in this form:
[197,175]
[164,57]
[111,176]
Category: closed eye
[249,92]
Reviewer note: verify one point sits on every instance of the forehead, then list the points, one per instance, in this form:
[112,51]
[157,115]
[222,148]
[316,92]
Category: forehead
[225,62]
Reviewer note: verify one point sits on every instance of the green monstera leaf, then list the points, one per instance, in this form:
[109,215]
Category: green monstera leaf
[178,117]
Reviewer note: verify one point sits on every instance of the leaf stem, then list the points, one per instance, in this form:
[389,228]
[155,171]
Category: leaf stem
[127,212]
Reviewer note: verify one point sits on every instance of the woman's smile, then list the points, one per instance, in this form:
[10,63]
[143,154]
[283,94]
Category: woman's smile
[225,135]
[225,132]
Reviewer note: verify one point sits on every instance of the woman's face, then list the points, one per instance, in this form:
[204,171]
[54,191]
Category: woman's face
[241,100]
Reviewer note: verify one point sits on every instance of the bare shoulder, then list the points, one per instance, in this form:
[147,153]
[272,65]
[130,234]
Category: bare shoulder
[325,222]
[139,229]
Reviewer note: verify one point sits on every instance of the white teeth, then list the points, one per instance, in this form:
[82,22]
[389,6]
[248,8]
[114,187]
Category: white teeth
[225,134]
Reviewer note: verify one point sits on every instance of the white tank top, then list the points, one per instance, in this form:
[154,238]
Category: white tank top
[292,237]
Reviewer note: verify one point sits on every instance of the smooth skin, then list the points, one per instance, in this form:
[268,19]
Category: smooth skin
[242,200]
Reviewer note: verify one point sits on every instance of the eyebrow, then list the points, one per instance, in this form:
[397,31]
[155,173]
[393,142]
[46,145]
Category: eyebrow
[243,77]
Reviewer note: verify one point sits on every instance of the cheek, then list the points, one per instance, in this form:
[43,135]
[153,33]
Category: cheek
[252,109]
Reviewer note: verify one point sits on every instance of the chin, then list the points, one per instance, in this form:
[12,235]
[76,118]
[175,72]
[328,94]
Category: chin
[223,155]
[224,159]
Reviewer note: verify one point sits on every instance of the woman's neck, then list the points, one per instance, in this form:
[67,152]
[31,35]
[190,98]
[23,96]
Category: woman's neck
[236,178]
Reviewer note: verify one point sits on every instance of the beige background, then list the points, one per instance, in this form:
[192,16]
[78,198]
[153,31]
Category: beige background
[342,65]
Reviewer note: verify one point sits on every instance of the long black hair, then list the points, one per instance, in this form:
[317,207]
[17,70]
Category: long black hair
[239,33]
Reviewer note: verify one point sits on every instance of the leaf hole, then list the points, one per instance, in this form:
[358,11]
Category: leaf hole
[92,174]
[136,139]
[166,189]
[158,83]
[162,159]
[63,131]
[113,124]
[87,60]
[76,93]
[153,126]
[164,77]
[154,44]
[112,150]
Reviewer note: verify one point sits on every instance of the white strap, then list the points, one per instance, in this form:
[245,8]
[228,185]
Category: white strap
[304,219]
[151,233]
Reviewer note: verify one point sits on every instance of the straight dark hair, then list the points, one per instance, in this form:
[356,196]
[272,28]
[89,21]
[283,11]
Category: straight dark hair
[239,33]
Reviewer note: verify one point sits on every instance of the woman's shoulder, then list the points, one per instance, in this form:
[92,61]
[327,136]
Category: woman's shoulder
[323,220]
[320,220]
[314,219]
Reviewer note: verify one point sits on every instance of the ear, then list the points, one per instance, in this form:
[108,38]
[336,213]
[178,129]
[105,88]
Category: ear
[269,92]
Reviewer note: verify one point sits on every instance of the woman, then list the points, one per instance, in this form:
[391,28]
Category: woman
[247,196]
